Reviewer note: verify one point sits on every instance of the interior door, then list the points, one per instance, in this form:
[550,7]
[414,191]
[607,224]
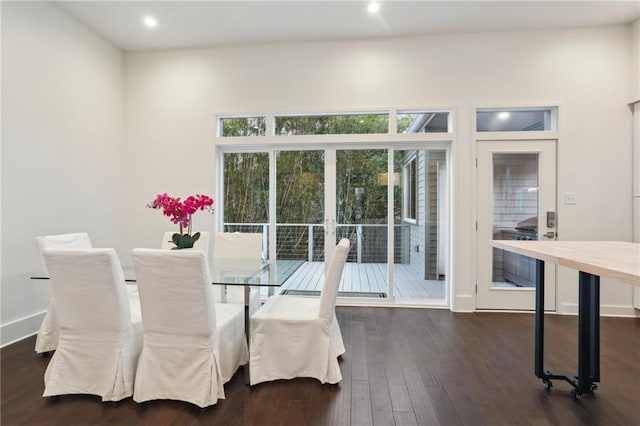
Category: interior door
[516,199]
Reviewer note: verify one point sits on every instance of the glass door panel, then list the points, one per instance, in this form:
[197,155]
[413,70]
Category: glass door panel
[300,195]
[245,183]
[515,217]
[420,224]
[246,192]
[361,216]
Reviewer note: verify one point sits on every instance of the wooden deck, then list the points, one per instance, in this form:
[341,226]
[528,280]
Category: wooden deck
[361,280]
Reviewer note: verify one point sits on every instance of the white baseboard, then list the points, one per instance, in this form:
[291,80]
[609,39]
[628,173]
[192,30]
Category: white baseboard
[19,329]
[464,303]
[605,310]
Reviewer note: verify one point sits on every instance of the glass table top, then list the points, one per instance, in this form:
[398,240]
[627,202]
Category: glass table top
[240,272]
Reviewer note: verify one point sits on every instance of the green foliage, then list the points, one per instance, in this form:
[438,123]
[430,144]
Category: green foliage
[243,126]
[404,121]
[246,187]
[360,197]
[300,187]
[332,124]
[184,241]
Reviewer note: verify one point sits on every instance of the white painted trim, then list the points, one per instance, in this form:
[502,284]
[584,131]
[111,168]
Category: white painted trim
[636,188]
[391,230]
[20,329]
[375,303]
[605,310]
[498,136]
[463,303]
[261,141]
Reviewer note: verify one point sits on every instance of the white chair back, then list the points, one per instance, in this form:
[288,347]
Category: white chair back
[89,290]
[202,243]
[99,344]
[236,245]
[191,346]
[77,240]
[332,280]
[175,295]
[47,339]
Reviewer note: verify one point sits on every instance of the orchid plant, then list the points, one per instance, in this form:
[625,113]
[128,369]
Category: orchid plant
[180,213]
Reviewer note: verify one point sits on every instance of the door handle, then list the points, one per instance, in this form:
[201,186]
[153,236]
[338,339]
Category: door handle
[551,219]
[550,234]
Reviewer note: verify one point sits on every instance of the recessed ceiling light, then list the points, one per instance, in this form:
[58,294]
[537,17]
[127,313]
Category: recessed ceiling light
[504,115]
[373,7]
[150,22]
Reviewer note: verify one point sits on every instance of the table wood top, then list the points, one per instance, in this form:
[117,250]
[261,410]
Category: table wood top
[615,259]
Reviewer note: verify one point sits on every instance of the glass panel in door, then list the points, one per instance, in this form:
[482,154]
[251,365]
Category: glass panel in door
[300,195]
[246,195]
[515,217]
[420,224]
[246,192]
[361,216]
[516,193]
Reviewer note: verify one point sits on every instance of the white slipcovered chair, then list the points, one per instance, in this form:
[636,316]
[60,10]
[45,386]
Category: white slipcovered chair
[192,345]
[297,336]
[231,248]
[100,326]
[47,338]
[202,243]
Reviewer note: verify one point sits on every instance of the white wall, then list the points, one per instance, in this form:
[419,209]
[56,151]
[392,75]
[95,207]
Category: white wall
[635,98]
[634,70]
[173,96]
[62,147]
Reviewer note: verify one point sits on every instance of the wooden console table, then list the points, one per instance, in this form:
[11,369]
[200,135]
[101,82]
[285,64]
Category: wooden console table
[593,259]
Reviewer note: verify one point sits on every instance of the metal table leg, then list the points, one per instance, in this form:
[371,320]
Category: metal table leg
[247,293]
[539,320]
[588,334]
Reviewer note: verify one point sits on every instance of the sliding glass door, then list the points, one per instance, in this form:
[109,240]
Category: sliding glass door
[300,218]
[361,216]
[420,224]
[390,204]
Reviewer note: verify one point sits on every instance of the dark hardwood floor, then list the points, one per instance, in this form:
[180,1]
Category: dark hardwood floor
[402,367]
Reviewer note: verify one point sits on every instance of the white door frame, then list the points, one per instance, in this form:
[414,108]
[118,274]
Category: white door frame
[488,296]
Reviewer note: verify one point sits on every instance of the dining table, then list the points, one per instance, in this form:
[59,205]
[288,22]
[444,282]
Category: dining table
[247,273]
[619,260]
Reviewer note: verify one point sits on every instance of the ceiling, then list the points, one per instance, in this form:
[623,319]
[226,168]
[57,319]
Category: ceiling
[183,24]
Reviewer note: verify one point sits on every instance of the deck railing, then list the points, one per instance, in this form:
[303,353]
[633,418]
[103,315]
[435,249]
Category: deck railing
[305,241]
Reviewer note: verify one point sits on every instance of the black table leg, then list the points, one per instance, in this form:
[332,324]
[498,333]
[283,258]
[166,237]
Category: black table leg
[588,332]
[247,334]
[539,320]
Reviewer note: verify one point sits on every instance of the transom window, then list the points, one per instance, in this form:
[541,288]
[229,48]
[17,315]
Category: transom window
[516,119]
[334,123]
[243,126]
[423,122]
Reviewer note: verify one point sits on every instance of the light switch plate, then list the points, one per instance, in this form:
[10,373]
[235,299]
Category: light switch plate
[571,198]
